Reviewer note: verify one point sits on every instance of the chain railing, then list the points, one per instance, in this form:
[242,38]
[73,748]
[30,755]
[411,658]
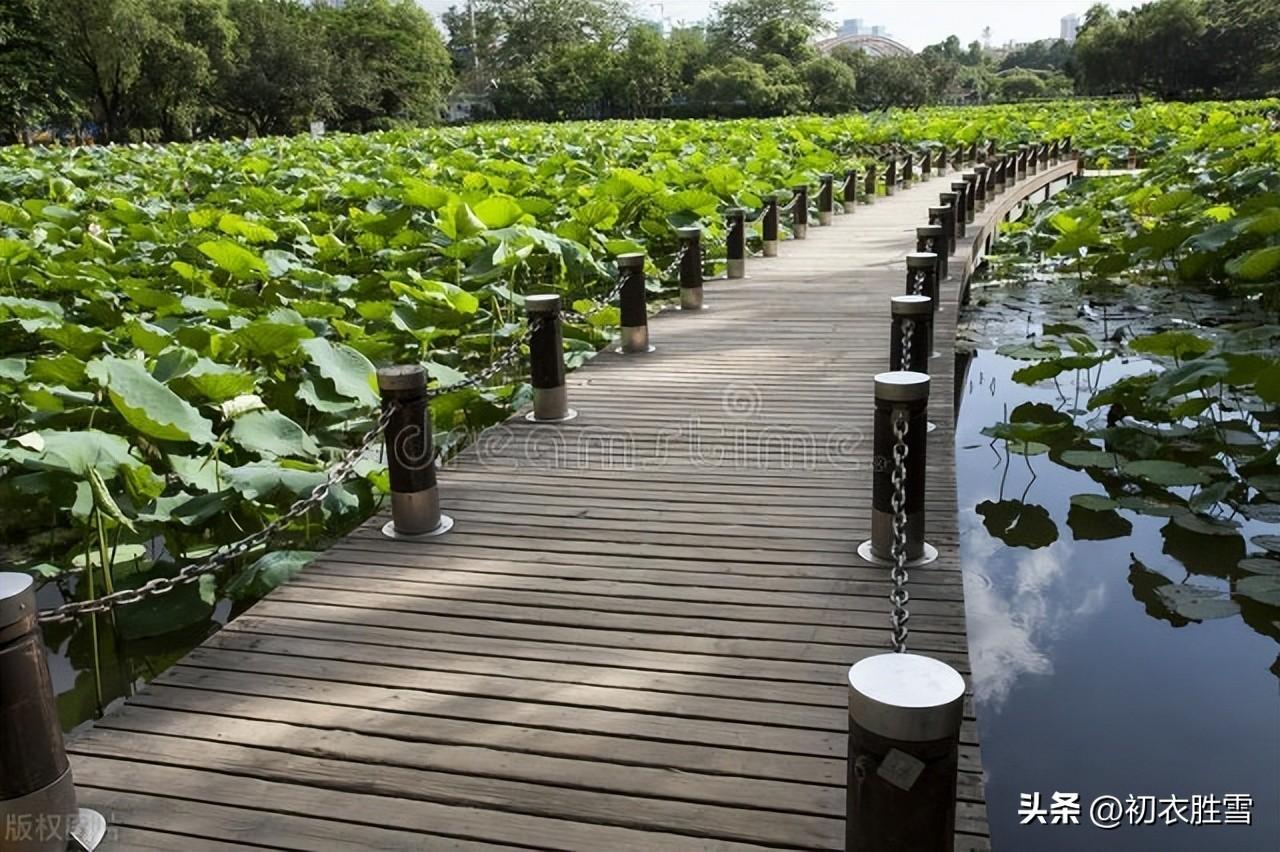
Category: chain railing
[898,596]
[341,472]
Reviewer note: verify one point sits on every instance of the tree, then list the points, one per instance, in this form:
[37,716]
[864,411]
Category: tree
[30,88]
[1242,46]
[1050,54]
[1104,56]
[190,41]
[1166,34]
[643,77]
[894,81]
[1020,85]
[830,83]
[389,63]
[277,78]
[740,87]
[760,27]
[104,41]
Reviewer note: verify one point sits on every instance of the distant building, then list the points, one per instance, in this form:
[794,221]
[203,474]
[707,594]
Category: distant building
[852,27]
[1070,28]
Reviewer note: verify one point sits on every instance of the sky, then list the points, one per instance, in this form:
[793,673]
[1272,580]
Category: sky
[915,23]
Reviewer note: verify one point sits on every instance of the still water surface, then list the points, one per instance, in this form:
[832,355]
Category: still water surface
[1084,682]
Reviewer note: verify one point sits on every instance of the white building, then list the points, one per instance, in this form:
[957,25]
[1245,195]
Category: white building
[1070,28]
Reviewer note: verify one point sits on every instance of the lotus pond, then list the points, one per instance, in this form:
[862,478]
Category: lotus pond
[1120,529]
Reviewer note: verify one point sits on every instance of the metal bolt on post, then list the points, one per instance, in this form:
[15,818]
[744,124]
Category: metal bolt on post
[800,212]
[38,807]
[546,360]
[931,238]
[826,199]
[905,712]
[411,455]
[941,216]
[633,303]
[690,266]
[900,438]
[769,226]
[849,191]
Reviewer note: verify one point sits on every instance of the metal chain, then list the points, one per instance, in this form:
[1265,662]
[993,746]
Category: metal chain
[908,332]
[338,474]
[917,283]
[899,597]
[508,357]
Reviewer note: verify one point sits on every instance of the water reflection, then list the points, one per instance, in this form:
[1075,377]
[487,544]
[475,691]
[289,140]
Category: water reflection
[1089,675]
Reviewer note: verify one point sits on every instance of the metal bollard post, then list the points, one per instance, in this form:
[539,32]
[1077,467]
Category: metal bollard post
[908,171]
[943,216]
[890,177]
[546,360]
[736,243]
[926,165]
[1033,159]
[973,153]
[1066,146]
[690,268]
[1010,169]
[970,195]
[800,212]
[998,183]
[1022,162]
[916,313]
[957,159]
[869,185]
[931,238]
[1044,156]
[961,190]
[849,192]
[826,199]
[38,808]
[633,302]
[905,712]
[899,393]
[981,171]
[991,149]
[769,226]
[1053,153]
[411,454]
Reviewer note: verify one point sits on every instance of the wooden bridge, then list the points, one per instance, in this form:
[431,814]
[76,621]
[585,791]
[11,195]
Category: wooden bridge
[637,634]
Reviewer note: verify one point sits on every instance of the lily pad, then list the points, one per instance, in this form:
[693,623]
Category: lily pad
[1263,588]
[1090,458]
[1165,472]
[1269,543]
[1089,525]
[1206,525]
[1197,603]
[1260,565]
[1019,524]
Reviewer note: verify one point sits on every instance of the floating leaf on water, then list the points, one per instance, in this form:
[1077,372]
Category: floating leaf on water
[1266,512]
[1270,543]
[1164,472]
[1206,525]
[1263,588]
[1197,603]
[1094,502]
[271,570]
[1259,565]
[1090,458]
[1173,344]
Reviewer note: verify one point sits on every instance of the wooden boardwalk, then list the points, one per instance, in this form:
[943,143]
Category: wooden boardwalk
[636,637]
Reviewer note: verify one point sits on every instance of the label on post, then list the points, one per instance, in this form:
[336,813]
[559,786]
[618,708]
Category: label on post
[900,769]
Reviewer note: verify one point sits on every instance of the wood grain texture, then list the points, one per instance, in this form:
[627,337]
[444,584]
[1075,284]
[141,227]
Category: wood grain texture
[636,636]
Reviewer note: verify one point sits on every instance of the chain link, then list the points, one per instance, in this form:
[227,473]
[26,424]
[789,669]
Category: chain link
[908,333]
[508,357]
[344,470]
[917,283]
[899,597]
